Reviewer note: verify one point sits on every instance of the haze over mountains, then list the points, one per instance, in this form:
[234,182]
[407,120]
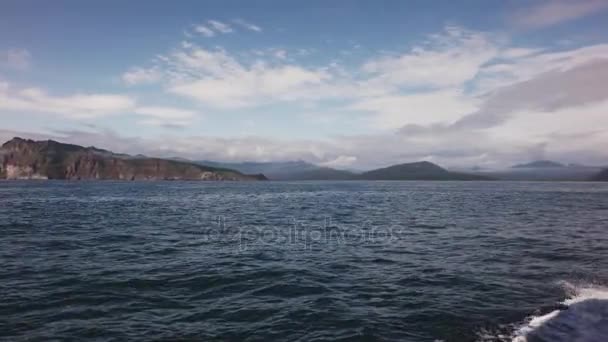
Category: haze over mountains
[545,170]
[300,170]
[288,170]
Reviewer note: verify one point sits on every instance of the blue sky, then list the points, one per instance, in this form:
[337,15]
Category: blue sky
[354,84]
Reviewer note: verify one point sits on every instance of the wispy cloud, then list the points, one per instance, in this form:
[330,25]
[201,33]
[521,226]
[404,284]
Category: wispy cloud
[169,117]
[89,106]
[18,59]
[390,111]
[340,162]
[204,30]
[553,12]
[446,59]
[141,76]
[217,78]
[73,106]
[280,53]
[212,27]
[220,26]
[247,25]
[443,77]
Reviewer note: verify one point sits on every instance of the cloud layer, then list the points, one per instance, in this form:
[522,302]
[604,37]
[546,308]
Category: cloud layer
[212,28]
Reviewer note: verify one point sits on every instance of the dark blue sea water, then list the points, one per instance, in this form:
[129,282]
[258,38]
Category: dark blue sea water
[303,261]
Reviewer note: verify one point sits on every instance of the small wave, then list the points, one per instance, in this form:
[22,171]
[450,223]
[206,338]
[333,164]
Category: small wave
[584,318]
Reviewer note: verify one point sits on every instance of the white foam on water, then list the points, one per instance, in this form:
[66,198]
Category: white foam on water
[586,293]
[575,294]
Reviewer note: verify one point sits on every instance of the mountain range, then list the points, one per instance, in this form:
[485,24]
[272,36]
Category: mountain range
[300,170]
[28,159]
[288,170]
[540,170]
[544,170]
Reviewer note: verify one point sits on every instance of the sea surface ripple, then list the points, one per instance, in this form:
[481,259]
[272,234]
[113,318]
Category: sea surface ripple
[303,261]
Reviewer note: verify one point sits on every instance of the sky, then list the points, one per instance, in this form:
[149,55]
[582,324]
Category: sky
[344,84]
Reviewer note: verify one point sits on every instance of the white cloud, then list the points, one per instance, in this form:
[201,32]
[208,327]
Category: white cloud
[448,71]
[458,97]
[519,140]
[165,112]
[18,59]
[392,111]
[219,79]
[340,162]
[552,12]
[204,30]
[550,91]
[516,52]
[248,26]
[559,110]
[561,122]
[173,124]
[445,60]
[426,85]
[90,106]
[141,76]
[166,117]
[514,70]
[215,78]
[74,106]
[219,26]
[574,134]
[280,54]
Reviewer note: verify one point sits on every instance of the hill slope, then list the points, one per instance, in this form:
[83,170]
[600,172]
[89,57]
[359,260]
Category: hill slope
[28,159]
[321,173]
[417,171]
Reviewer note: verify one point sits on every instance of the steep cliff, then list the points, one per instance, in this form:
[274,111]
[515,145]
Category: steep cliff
[28,159]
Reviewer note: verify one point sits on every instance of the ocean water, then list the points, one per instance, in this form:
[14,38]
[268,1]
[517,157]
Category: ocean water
[303,261]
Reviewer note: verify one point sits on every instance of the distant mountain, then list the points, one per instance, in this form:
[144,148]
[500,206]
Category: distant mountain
[28,159]
[538,164]
[321,173]
[289,170]
[602,176]
[544,171]
[418,171]
[300,170]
